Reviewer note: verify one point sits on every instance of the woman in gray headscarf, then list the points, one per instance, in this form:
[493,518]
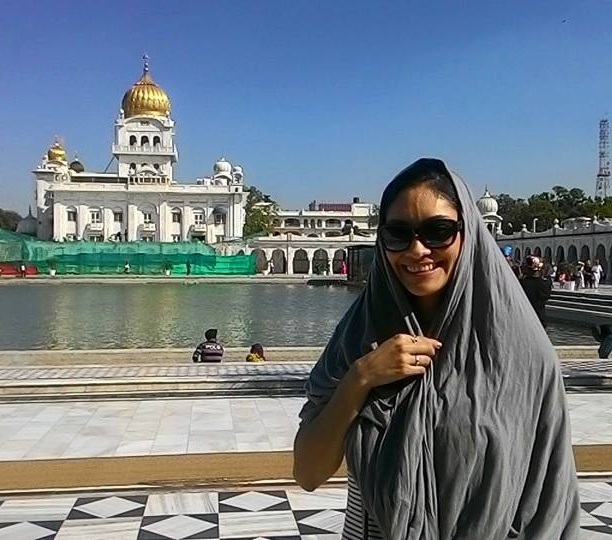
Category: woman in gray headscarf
[440,386]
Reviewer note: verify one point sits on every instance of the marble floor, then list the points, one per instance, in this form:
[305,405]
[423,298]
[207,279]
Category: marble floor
[105,371]
[72,429]
[275,514]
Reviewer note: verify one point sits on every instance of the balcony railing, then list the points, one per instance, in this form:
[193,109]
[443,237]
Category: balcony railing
[147,149]
[96,226]
[199,227]
[148,226]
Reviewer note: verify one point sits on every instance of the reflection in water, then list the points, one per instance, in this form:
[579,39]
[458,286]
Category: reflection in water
[107,315]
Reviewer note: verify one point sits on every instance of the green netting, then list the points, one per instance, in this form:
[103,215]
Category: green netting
[111,258]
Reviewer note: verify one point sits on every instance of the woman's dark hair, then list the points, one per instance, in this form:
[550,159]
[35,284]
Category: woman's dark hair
[428,172]
[257,348]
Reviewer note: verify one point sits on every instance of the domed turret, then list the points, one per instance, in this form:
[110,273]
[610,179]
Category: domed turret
[56,152]
[222,166]
[76,165]
[487,204]
[145,98]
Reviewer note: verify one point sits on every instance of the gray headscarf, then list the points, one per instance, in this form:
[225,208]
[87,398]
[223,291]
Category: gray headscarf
[480,446]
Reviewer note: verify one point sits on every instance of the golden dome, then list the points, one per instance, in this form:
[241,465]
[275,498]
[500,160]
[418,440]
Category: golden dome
[56,152]
[145,98]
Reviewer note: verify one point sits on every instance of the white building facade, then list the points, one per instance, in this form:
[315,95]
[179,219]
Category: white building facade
[141,201]
[327,220]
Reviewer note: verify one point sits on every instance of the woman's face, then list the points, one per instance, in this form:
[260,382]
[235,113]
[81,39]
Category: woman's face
[422,270]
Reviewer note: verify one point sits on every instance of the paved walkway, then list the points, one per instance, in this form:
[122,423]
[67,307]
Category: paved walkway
[76,429]
[571,368]
[274,514]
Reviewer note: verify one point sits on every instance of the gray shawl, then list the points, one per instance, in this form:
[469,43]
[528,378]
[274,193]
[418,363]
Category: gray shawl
[480,446]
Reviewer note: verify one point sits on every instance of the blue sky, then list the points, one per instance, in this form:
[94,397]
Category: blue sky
[317,100]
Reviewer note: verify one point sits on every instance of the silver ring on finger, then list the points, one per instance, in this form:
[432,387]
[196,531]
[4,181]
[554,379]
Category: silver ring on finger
[416,360]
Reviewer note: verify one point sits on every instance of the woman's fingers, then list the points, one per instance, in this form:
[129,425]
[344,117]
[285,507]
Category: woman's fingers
[422,360]
[411,371]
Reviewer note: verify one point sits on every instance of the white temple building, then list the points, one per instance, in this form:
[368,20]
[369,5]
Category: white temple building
[142,200]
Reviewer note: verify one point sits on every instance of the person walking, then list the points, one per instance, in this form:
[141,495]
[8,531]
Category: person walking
[537,286]
[209,351]
[597,273]
[588,274]
[439,386]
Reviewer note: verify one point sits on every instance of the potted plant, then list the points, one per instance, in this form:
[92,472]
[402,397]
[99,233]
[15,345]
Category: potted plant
[52,266]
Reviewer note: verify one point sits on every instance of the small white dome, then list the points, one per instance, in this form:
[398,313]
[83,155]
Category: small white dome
[487,204]
[237,170]
[222,166]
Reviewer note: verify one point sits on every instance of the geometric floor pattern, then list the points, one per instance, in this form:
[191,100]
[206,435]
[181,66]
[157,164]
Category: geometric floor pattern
[281,514]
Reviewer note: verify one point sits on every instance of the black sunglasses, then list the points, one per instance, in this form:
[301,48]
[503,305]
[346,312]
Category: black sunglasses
[433,233]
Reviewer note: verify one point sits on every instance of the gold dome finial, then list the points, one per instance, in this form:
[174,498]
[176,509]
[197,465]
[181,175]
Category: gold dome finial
[56,151]
[145,98]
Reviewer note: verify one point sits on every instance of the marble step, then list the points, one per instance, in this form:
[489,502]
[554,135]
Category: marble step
[184,470]
[270,379]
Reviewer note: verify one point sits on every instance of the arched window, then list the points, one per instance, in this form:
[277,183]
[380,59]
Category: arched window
[301,263]
[156,167]
[279,261]
[176,215]
[156,142]
[144,141]
[585,254]
[132,168]
[261,261]
[133,140]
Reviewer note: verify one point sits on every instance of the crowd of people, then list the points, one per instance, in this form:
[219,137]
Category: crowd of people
[582,275]
[538,276]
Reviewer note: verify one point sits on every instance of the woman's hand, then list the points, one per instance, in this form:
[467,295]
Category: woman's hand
[397,358]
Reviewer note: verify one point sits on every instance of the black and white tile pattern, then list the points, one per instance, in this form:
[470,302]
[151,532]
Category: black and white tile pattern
[272,514]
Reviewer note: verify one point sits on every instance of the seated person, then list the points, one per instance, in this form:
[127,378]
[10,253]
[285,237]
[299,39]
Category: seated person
[209,350]
[603,334]
[256,354]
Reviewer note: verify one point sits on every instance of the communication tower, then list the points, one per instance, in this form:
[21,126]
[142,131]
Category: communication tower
[602,187]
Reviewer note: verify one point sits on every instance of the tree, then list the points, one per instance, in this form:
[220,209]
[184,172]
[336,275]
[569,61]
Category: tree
[260,212]
[559,203]
[9,219]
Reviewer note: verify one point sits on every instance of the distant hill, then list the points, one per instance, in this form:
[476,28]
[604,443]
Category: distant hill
[9,219]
